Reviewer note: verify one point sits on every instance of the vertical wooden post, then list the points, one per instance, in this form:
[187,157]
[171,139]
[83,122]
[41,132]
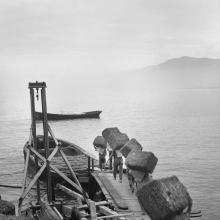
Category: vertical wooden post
[33,121]
[92,165]
[92,209]
[46,142]
[89,164]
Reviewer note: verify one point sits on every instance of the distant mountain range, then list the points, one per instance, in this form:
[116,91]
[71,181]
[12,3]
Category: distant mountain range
[189,63]
[186,72]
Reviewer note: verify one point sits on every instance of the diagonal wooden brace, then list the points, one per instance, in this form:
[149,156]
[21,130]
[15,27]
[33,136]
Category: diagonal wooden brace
[70,168]
[67,163]
[66,178]
[40,171]
[37,154]
[56,149]
[53,136]
[25,170]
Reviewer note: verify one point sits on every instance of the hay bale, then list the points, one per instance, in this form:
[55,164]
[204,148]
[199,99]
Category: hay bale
[100,142]
[115,138]
[164,198]
[141,160]
[132,145]
[7,208]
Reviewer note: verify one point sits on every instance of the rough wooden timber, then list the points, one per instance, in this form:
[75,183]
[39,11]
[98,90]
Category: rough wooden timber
[111,188]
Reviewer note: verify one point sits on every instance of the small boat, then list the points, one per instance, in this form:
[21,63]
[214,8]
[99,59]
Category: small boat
[54,117]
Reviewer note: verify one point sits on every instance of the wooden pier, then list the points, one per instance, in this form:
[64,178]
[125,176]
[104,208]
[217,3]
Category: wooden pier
[121,196]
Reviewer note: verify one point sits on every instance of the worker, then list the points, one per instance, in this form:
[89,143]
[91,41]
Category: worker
[118,164]
[102,154]
[110,156]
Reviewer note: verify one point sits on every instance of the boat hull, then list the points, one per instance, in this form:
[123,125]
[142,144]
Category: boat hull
[54,117]
[77,157]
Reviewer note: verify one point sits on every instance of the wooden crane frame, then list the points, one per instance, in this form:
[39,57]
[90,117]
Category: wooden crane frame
[32,149]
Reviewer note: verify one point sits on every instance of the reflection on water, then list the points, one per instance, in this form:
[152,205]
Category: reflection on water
[181,127]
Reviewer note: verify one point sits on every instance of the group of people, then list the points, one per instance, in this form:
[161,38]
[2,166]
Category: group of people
[115,161]
[115,158]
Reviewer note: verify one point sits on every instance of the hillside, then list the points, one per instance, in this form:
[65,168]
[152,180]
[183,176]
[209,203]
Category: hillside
[185,72]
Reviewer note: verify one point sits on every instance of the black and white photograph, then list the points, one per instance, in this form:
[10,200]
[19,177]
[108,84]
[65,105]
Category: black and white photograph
[109,109]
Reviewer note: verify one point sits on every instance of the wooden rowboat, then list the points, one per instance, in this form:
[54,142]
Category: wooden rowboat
[69,202]
[54,117]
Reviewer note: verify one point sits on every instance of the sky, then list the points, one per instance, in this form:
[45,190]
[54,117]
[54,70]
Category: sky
[73,37]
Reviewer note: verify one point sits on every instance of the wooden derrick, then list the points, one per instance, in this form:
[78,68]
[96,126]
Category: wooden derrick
[115,138]
[164,198]
[132,145]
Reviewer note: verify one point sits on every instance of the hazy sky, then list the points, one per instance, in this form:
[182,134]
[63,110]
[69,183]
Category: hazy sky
[85,36]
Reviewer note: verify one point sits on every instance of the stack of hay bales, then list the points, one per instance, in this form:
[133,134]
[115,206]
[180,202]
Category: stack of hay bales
[142,161]
[164,198]
[115,138]
[100,142]
[132,145]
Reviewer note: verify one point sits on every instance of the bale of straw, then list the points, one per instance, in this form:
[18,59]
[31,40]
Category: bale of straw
[132,145]
[164,198]
[142,161]
[100,141]
[115,138]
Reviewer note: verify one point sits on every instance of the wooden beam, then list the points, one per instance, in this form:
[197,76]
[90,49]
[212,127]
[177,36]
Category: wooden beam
[96,204]
[40,171]
[47,212]
[53,153]
[37,154]
[92,209]
[92,165]
[57,212]
[37,85]
[46,143]
[70,192]
[70,168]
[67,163]
[67,209]
[34,136]
[106,211]
[115,216]
[66,178]
[25,170]
[89,164]
[52,135]
[30,136]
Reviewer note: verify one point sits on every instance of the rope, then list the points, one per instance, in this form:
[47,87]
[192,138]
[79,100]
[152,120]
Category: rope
[9,186]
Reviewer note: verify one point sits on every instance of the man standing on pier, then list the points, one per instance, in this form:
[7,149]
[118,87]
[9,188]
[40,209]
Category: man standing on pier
[118,164]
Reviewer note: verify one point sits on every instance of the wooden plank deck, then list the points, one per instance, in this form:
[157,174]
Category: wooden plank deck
[120,195]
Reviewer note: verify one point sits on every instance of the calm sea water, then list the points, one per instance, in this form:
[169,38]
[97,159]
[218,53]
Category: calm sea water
[181,126]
